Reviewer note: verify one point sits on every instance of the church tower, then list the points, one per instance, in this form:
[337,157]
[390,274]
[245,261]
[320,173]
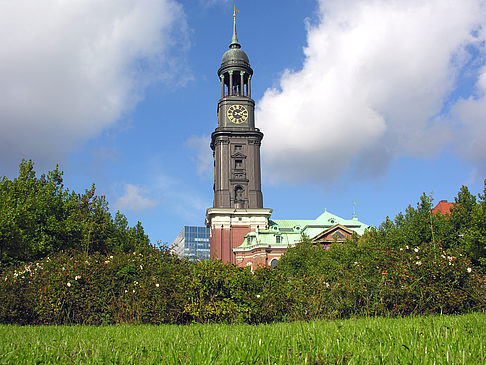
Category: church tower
[238,200]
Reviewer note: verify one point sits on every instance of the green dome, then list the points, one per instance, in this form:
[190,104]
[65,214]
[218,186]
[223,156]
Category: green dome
[235,56]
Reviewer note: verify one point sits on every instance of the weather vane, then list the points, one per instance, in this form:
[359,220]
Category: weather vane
[235,11]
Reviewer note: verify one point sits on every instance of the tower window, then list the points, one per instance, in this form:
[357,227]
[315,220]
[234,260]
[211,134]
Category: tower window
[237,148]
[239,194]
[238,164]
[278,239]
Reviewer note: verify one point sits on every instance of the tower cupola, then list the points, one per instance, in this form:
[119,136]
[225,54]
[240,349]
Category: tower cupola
[235,71]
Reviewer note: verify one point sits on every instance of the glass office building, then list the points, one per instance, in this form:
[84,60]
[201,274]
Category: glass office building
[192,243]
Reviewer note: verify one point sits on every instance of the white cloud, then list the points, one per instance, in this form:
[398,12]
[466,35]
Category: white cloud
[134,199]
[471,141]
[203,156]
[373,86]
[71,69]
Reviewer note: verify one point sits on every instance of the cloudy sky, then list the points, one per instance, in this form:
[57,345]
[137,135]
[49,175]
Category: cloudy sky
[372,101]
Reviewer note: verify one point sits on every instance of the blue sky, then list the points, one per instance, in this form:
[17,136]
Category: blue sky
[372,101]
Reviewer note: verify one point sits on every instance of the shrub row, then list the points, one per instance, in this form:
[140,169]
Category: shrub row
[156,287]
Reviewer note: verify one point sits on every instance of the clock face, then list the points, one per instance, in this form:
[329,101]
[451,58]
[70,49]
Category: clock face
[237,114]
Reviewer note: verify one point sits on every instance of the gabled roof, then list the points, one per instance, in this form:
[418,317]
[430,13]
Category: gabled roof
[238,155]
[444,207]
[329,233]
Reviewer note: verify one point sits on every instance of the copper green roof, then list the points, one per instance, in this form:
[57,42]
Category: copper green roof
[235,55]
[290,231]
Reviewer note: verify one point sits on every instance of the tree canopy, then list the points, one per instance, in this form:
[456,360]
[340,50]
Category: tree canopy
[39,216]
[464,229]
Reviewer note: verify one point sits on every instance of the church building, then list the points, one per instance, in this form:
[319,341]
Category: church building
[241,231]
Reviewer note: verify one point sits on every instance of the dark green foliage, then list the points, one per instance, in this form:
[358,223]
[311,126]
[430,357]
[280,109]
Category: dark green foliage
[412,228]
[153,287]
[464,228]
[418,263]
[38,216]
[305,258]
[73,288]
[157,287]
[468,225]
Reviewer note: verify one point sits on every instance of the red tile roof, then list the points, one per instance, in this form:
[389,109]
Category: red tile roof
[444,207]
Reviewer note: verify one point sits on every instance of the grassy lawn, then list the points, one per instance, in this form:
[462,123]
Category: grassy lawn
[416,340]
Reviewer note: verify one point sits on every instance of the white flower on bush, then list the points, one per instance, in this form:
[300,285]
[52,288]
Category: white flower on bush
[157,285]
[107,262]
[141,267]
[469,270]
[419,263]
[68,284]
[111,257]
[406,247]
[77,277]
[258,295]
[327,285]
[416,249]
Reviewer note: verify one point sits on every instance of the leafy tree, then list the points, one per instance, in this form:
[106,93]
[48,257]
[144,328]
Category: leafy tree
[39,216]
[468,220]
[413,228]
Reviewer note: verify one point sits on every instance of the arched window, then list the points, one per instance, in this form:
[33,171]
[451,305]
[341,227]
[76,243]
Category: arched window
[239,194]
[273,263]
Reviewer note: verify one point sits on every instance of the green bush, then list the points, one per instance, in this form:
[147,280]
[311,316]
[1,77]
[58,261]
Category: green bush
[156,287]
[358,279]
[73,288]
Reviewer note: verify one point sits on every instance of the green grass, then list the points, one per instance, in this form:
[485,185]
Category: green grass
[416,340]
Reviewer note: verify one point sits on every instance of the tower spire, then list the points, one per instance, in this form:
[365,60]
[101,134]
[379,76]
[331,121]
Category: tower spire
[234,40]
